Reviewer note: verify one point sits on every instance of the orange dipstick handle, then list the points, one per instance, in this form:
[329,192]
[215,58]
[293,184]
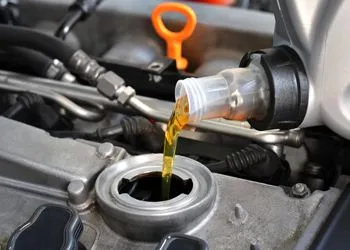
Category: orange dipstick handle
[174,39]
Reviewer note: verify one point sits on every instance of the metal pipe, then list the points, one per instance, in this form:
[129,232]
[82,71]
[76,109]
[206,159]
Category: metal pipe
[60,99]
[85,93]
[290,137]
[67,24]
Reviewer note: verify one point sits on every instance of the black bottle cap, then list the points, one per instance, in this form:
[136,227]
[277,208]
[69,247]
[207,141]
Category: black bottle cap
[289,87]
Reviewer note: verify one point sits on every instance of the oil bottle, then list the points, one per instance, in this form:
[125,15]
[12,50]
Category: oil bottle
[236,94]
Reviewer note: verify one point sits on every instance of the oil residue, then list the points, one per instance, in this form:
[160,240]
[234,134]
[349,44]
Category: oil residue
[179,118]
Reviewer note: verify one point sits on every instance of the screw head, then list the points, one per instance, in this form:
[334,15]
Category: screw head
[300,190]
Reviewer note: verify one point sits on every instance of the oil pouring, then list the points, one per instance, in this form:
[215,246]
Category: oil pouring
[235,94]
[179,118]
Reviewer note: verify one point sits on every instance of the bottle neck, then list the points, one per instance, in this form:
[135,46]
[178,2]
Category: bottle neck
[249,93]
[236,94]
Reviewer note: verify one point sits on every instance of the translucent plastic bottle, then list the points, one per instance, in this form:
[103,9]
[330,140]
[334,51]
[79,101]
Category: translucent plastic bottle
[236,94]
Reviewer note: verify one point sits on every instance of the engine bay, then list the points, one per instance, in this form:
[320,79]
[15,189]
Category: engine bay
[82,136]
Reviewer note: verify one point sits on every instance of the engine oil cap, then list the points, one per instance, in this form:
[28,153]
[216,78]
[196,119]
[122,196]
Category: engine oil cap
[50,227]
[175,241]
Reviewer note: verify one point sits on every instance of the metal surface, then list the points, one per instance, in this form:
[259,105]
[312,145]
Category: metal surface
[245,213]
[316,30]
[146,106]
[150,221]
[31,155]
[60,99]
[38,169]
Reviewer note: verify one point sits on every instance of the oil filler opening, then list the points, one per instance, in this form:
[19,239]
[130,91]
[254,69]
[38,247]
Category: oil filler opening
[148,187]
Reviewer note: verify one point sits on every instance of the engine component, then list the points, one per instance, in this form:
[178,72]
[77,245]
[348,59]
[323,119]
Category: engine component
[25,37]
[37,168]
[9,13]
[141,218]
[41,64]
[136,130]
[24,101]
[80,112]
[292,138]
[80,10]
[50,227]
[254,160]
[334,233]
[300,190]
[140,131]
[34,157]
[76,60]
[321,47]
[174,39]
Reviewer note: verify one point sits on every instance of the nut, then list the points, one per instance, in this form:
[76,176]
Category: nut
[125,93]
[300,190]
[108,83]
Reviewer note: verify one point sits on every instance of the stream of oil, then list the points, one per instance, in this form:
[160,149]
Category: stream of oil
[177,121]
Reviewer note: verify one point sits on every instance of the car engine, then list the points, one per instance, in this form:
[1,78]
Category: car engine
[86,90]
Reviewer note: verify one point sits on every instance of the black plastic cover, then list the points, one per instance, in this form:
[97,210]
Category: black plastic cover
[177,241]
[335,231]
[51,227]
[289,87]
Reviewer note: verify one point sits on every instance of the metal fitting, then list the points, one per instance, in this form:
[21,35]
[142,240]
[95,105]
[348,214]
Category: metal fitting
[54,71]
[109,83]
[58,71]
[143,220]
[87,68]
[300,190]
[124,94]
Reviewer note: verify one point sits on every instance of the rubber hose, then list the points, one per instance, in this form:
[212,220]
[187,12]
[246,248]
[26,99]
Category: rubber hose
[28,38]
[37,61]
[68,23]
[24,101]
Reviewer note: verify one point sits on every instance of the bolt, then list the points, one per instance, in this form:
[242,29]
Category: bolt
[77,192]
[105,150]
[300,190]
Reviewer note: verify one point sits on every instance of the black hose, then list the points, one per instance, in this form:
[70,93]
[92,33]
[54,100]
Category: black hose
[138,131]
[24,101]
[252,161]
[80,10]
[9,12]
[67,23]
[28,38]
[37,61]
